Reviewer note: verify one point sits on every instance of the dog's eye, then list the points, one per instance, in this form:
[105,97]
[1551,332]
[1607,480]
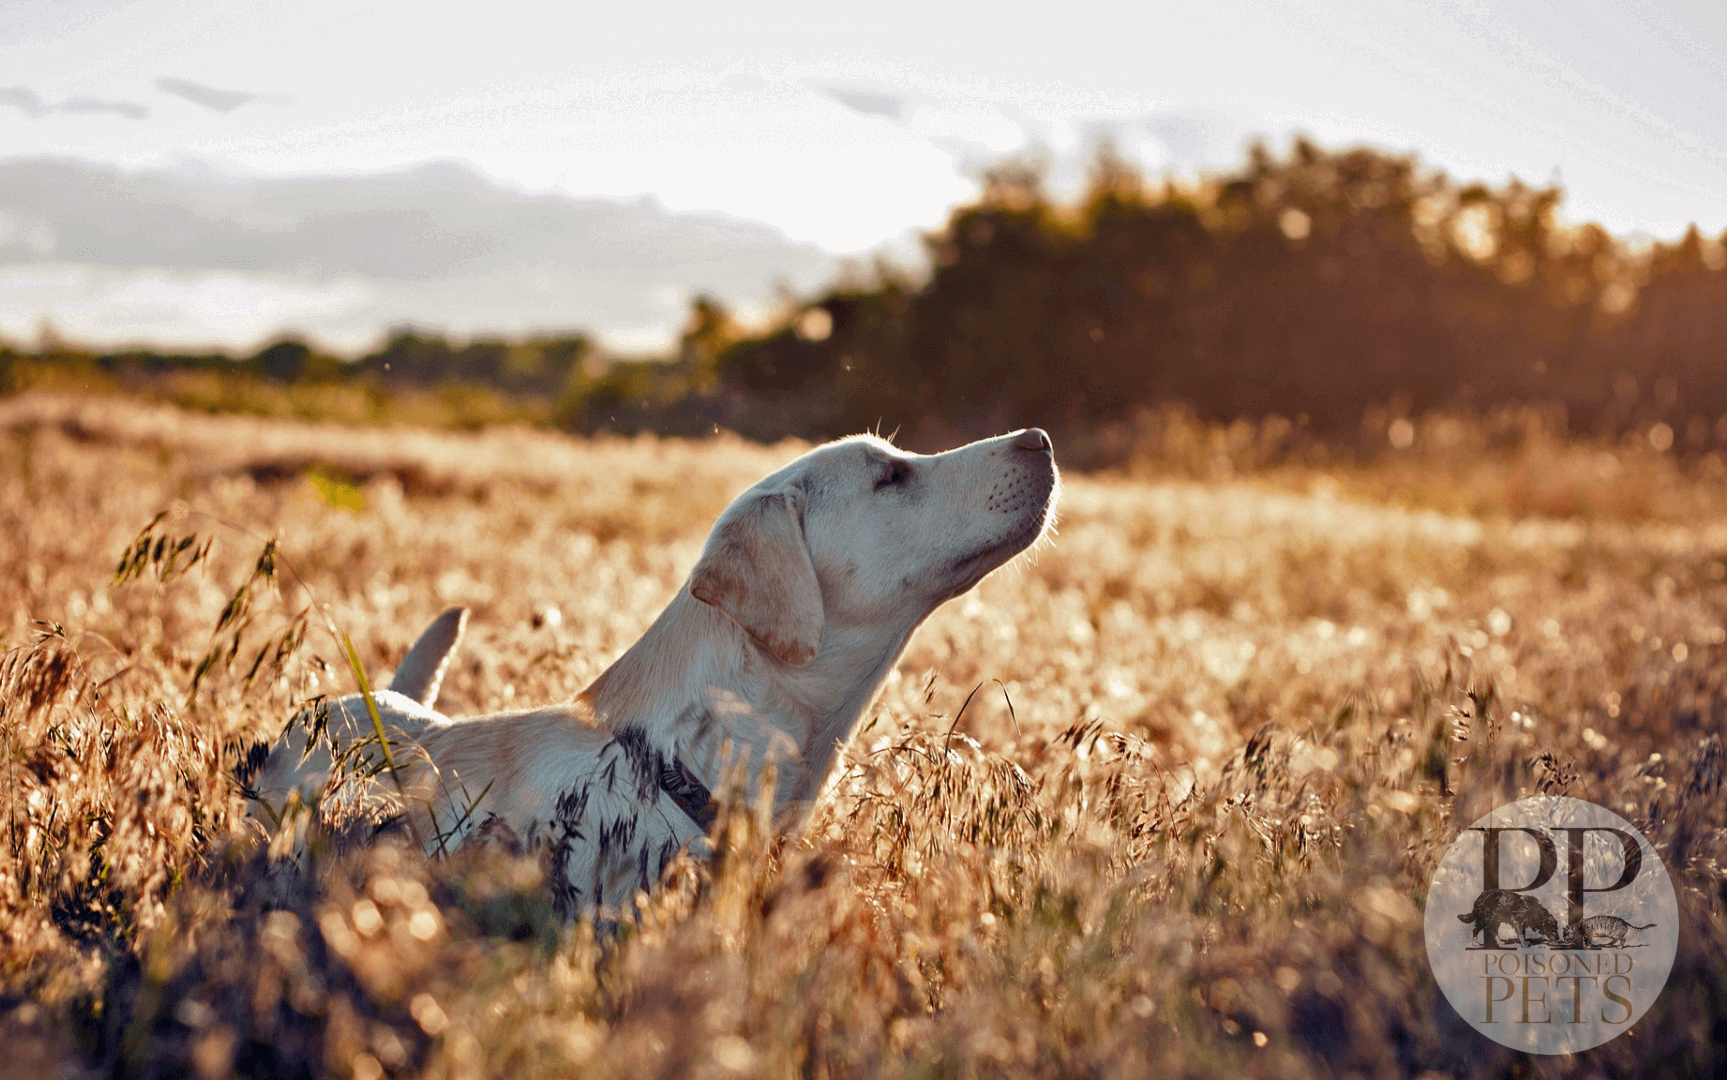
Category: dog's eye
[893,472]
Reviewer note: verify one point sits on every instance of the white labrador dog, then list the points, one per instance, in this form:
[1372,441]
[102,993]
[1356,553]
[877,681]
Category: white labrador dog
[805,594]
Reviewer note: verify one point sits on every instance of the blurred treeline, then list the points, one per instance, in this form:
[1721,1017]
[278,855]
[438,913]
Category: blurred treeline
[415,376]
[1320,287]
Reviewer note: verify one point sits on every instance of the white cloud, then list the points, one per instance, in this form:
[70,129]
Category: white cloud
[191,257]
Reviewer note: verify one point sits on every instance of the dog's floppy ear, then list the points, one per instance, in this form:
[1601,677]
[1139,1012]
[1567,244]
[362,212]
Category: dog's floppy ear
[757,570]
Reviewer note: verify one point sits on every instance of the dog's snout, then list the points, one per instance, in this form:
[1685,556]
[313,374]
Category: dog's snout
[1033,439]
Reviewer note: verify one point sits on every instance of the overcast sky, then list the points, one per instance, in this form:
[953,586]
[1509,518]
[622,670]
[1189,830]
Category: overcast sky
[841,129]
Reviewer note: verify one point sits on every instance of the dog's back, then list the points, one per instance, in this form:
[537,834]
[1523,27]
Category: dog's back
[299,766]
[595,803]
[598,805]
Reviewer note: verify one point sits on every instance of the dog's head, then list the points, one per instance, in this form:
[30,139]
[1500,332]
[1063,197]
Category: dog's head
[859,533]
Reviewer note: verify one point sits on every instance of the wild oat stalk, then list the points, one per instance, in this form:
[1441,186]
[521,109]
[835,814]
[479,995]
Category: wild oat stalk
[171,556]
[365,685]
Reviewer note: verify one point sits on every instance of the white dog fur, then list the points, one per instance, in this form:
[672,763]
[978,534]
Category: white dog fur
[805,594]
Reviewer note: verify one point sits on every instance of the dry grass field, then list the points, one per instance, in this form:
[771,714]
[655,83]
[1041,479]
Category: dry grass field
[1252,703]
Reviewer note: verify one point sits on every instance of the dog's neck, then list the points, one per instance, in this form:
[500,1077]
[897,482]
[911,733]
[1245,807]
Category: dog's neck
[701,690]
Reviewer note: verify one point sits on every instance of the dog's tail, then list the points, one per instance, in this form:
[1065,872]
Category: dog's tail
[422,670]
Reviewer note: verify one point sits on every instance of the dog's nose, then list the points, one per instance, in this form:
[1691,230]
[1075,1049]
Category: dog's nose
[1033,439]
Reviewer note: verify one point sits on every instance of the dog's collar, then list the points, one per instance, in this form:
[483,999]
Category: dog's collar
[691,795]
